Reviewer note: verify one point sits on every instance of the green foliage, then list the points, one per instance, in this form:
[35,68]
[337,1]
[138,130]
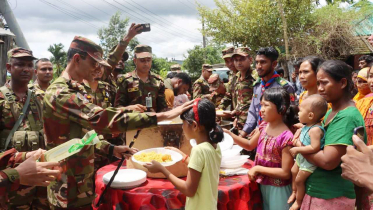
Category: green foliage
[111,35]
[58,58]
[254,23]
[193,63]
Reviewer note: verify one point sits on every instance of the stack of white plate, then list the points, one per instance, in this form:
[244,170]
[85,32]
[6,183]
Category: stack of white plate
[231,157]
[125,178]
[233,161]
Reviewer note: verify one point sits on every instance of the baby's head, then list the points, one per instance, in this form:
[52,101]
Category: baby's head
[312,109]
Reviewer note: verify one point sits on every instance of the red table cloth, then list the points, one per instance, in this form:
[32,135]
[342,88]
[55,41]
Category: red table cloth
[235,192]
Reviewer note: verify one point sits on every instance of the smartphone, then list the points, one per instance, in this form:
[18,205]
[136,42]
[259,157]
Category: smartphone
[359,131]
[145,27]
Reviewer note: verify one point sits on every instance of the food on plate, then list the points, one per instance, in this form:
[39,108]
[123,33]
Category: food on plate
[149,156]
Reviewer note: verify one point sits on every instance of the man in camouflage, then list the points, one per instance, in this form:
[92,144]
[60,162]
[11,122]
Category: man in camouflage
[44,74]
[29,135]
[21,168]
[243,90]
[230,99]
[201,87]
[135,87]
[176,68]
[217,88]
[68,113]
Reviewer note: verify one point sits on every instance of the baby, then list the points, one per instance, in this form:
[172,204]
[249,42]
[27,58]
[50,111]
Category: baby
[312,139]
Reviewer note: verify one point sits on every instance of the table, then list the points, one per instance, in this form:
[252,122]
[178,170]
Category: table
[235,192]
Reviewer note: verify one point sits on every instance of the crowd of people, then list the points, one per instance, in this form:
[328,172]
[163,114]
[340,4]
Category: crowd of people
[299,133]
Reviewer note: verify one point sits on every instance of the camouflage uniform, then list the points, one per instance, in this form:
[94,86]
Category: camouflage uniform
[201,86]
[228,98]
[9,177]
[243,90]
[67,113]
[215,83]
[176,68]
[132,90]
[29,136]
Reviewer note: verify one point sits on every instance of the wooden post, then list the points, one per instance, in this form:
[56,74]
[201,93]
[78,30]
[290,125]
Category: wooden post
[8,38]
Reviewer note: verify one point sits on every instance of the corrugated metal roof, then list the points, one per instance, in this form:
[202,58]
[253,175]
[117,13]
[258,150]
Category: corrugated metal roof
[4,32]
[365,26]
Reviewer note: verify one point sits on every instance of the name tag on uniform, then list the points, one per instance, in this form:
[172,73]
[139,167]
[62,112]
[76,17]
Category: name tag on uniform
[133,89]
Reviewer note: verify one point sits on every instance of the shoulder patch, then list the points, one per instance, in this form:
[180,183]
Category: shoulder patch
[281,81]
[257,82]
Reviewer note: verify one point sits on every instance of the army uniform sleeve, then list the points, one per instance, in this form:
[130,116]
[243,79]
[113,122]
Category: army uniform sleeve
[197,90]
[120,97]
[115,56]
[226,101]
[10,158]
[9,181]
[161,99]
[70,105]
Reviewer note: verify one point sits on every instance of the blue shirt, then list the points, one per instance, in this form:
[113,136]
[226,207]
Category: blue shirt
[253,114]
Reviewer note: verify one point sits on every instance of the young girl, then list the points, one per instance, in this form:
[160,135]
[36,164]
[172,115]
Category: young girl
[273,139]
[311,111]
[201,185]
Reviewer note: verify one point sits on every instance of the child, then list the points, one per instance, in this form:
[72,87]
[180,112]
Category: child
[272,139]
[312,136]
[201,185]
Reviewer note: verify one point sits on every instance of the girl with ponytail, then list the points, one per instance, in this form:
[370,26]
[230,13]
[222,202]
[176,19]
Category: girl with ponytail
[201,185]
[273,140]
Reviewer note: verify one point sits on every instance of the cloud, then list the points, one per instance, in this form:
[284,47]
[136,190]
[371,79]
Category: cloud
[175,24]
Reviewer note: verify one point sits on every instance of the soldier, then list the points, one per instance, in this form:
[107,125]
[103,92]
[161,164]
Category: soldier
[44,73]
[141,86]
[28,172]
[176,68]
[229,62]
[68,112]
[243,90]
[266,62]
[175,86]
[217,88]
[201,87]
[22,131]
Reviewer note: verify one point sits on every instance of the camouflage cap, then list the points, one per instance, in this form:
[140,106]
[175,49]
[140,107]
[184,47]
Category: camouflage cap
[20,52]
[143,51]
[227,52]
[208,67]
[242,51]
[175,67]
[91,48]
[214,82]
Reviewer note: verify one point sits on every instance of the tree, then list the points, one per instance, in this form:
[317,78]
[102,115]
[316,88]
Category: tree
[255,23]
[59,58]
[195,59]
[111,35]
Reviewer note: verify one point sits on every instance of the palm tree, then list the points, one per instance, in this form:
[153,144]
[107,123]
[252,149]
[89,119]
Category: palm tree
[58,57]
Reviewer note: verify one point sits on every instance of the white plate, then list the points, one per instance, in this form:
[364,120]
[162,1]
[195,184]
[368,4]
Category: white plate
[231,152]
[175,156]
[226,144]
[237,147]
[125,178]
[234,165]
[234,158]
[220,112]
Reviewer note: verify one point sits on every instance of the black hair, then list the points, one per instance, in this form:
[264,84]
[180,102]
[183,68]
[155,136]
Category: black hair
[269,52]
[185,78]
[298,62]
[71,52]
[366,58]
[355,72]
[281,98]
[279,70]
[171,74]
[207,116]
[314,61]
[338,70]
[41,60]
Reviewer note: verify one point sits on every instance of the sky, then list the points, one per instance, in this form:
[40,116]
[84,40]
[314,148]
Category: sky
[175,24]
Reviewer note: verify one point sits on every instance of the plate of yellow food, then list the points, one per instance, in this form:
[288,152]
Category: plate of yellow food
[164,156]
